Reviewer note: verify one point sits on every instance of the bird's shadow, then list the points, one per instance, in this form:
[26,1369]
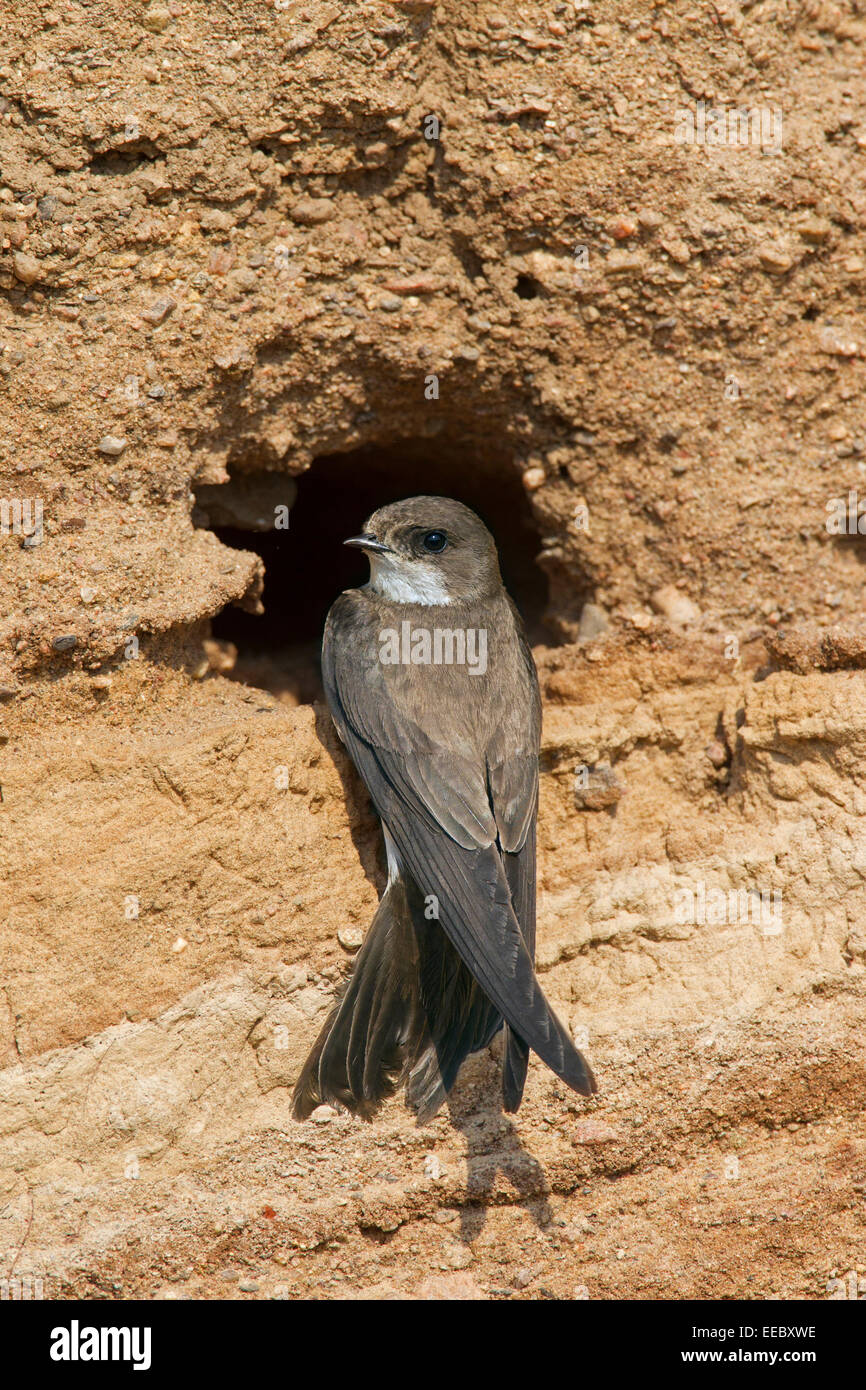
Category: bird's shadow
[503,1155]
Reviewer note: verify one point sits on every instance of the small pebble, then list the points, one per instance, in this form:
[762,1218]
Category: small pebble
[624,262]
[534,478]
[350,938]
[232,357]
[675,606]
[111,444]
[158,310]
[26,268]
[323,1115]
[623,227]
[310,212]
[662,330]
[774,258]
[677,250]
[216,220]
[596,788]
[649,221]
[413,284]
[156,18]
[815,230]
[64,644]
[715,751]
[838,342]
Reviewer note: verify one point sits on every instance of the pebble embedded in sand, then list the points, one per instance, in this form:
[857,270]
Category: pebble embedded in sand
[158,311]
[675,606]
[310,212]
[112,444]
[26,268]
[774,258]
[156,18]
[323,1114]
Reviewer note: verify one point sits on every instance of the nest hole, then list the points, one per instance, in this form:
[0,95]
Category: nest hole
[307,565]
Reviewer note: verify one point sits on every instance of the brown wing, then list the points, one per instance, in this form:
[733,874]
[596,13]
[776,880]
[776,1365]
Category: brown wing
[443,818]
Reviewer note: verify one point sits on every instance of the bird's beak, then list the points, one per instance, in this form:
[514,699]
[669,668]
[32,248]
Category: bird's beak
[368,543]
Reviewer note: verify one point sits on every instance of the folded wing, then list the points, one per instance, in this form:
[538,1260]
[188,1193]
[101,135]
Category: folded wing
[444,817]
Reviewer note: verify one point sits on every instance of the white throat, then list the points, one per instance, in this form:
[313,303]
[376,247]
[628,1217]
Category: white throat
[407,581]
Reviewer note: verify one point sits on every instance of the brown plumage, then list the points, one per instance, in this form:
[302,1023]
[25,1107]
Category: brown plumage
[450,758]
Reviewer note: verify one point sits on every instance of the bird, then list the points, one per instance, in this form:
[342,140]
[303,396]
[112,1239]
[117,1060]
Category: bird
[433,690]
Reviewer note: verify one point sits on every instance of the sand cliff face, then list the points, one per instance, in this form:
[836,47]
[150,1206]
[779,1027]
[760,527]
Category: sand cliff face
[262,268]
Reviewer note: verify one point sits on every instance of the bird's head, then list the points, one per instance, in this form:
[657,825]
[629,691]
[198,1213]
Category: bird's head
[429,550]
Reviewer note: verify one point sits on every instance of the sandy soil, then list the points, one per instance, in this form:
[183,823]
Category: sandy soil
[243,268]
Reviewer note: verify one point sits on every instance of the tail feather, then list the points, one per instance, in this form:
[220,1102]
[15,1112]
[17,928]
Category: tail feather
[411,1013]
[520,873]
[359,1057]
[514,1067]
[460,1020]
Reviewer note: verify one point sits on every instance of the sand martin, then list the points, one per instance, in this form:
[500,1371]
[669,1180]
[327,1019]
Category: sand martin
[433,690]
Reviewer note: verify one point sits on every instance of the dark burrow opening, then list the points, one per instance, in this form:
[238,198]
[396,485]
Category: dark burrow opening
[307,565]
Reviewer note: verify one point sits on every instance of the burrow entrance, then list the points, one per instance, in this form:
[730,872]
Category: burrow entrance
[307,566]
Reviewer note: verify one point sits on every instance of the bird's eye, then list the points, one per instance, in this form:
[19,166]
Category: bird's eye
[435,541]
